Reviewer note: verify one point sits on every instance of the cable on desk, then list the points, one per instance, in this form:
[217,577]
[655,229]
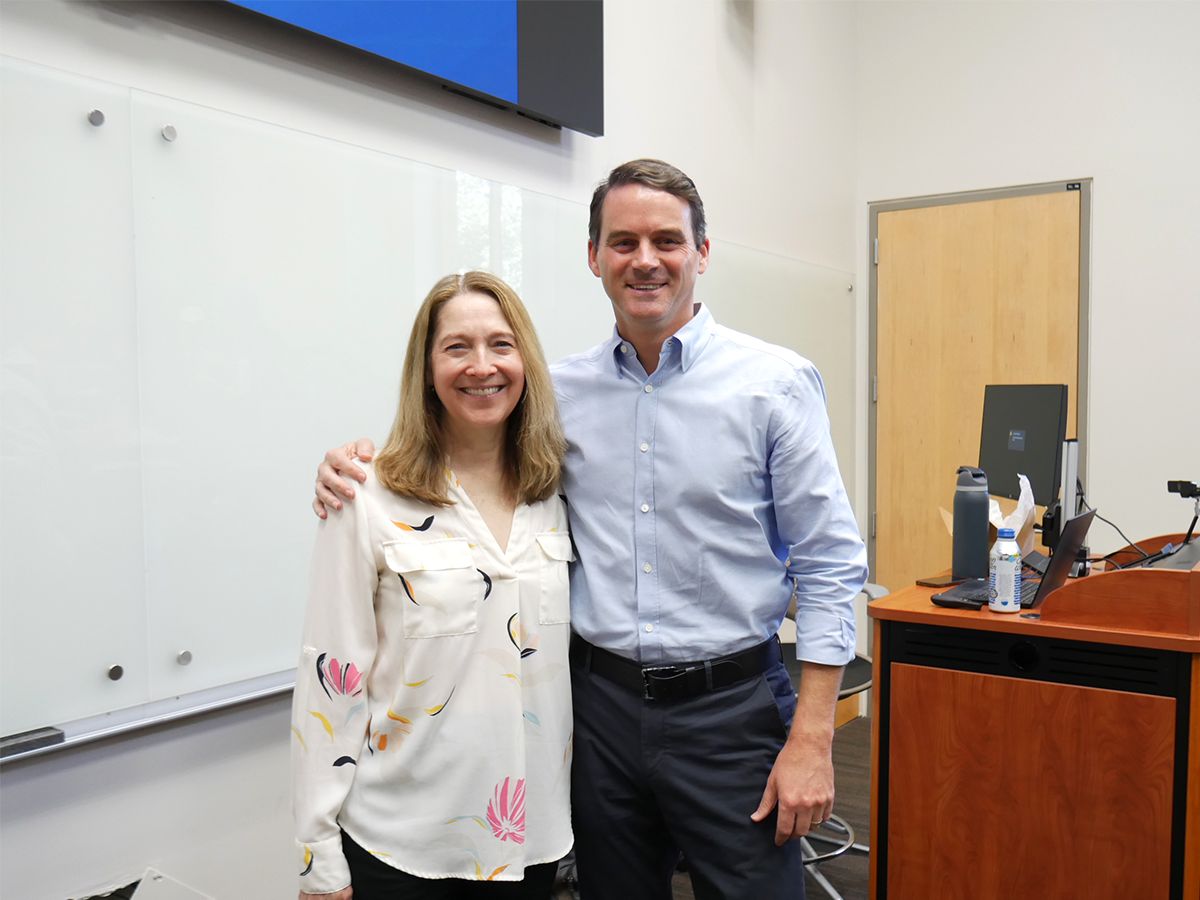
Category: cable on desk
[1108,557]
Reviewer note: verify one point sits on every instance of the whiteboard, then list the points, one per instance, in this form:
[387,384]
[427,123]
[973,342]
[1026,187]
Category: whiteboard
[195,305]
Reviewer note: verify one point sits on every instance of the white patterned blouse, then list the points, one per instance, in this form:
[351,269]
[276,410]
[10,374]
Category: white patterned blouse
[432,714]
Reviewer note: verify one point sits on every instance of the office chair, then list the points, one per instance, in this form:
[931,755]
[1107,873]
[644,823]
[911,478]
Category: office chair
[835,833]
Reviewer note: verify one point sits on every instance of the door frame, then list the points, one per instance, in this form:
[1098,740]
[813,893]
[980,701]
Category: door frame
[1084,186]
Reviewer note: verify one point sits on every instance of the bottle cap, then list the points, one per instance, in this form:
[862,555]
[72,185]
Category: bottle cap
[1006,534]
[972,479]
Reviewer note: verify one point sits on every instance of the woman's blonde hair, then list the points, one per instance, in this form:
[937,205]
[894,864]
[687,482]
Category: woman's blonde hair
[413,461]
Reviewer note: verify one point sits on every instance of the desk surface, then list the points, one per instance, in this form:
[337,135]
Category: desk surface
[1155,608]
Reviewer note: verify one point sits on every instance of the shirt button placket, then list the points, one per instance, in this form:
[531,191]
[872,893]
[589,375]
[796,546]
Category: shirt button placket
[644,523]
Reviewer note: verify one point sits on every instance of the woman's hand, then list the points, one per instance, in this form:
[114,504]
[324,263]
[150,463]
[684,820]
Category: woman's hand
[340,464]
[344,894]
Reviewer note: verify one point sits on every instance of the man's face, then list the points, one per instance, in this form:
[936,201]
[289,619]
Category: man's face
[647,260]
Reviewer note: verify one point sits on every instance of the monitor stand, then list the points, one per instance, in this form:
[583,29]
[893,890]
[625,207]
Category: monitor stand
[1060,512]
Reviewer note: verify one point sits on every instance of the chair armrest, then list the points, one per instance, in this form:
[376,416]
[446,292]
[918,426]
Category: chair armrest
[874,591]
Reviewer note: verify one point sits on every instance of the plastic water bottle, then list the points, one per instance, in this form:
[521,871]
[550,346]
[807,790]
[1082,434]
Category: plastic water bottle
[1004,573]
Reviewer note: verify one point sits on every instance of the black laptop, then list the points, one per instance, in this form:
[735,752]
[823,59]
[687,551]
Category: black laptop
[973,593]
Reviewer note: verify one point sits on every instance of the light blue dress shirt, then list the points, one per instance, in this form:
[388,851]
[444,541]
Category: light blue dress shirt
[700,494]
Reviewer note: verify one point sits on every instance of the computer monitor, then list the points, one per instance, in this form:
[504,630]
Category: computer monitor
[1024,426]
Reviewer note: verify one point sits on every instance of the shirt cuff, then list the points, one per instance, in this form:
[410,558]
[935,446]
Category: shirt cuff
[823,637]
[323,867]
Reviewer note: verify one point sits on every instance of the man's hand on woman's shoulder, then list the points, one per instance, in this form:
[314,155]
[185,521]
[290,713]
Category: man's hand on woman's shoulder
[341,463]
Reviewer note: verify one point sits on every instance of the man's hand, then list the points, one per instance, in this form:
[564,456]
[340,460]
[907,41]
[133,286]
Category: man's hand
[339,465]
[801,784]
[801,781]
[344,894]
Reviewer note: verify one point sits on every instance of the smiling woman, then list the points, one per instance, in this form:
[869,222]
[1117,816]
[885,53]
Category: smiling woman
[432,712]
[475,367]
[447,334]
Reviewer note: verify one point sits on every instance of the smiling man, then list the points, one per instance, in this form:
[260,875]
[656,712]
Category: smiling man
[647,254]
[704,494]
[701,481]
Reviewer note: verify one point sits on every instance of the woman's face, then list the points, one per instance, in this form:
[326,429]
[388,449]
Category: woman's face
[475,367]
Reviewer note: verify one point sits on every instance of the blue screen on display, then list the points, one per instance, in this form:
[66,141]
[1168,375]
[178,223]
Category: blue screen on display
[470,42]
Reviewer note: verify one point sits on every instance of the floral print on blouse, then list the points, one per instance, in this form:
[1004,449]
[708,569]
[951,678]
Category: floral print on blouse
[431,719]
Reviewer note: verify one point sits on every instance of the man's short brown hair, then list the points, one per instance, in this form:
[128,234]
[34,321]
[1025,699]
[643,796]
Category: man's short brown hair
[653,173]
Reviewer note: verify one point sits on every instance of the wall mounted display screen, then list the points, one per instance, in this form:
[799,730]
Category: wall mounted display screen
[544,58]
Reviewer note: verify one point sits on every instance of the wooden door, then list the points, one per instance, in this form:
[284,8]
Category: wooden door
[967,294]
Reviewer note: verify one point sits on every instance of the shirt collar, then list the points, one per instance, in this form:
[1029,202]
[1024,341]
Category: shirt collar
[693,337]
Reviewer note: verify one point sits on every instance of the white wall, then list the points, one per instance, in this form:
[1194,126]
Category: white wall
[754,100]
[205,802]
[962,96]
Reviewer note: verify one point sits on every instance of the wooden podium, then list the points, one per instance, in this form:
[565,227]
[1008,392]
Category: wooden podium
[1051,757]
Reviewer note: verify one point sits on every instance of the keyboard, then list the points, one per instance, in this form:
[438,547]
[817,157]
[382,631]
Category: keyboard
[1036,562]
[973,594]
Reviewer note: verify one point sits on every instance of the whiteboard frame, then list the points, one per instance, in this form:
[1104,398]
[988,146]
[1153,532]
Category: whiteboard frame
[160,712]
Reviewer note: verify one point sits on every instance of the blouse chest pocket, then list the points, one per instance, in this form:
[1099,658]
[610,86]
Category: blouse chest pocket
[556,553]
[441,588]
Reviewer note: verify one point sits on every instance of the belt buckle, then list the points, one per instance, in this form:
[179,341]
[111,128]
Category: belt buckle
[650,672]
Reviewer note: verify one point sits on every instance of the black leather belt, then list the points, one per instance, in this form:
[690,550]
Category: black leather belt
[679,680]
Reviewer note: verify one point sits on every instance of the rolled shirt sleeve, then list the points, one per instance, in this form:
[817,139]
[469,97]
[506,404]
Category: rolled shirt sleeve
[827,559]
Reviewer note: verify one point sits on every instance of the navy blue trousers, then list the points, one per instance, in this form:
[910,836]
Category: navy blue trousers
[653,779]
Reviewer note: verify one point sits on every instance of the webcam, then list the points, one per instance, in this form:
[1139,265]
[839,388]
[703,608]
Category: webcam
[1183,488]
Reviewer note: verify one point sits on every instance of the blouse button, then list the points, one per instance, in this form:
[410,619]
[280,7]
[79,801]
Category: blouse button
[644,447]
[647,568]
[645,507]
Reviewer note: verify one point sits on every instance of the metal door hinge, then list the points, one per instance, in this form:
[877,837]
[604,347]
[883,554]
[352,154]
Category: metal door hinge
[874,388]
[873,515]
[875,252]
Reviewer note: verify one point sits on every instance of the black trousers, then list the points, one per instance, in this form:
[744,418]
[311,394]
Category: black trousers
[376,880]
[653,779]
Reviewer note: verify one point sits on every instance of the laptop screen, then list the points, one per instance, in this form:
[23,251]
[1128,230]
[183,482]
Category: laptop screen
[1057,572]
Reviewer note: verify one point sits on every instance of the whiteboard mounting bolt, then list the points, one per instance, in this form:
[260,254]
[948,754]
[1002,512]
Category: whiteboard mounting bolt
[169,133]
[115,672]
[96,117]
[184,657]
